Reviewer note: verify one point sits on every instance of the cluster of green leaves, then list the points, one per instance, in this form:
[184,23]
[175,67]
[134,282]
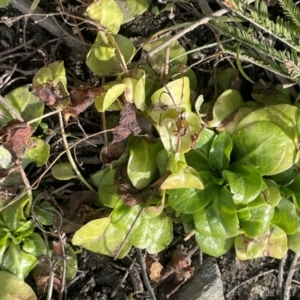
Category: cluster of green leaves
[261,51]
[232,186]
[20,245]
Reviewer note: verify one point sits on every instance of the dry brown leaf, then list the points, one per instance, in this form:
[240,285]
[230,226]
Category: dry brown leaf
[15,136]
[155,271]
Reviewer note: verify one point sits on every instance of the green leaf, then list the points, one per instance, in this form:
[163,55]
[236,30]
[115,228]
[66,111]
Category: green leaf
[53,74]
[123,216]
[44,213]
[225,105]
[286,217]
[158,59]
[38,151]
[34,245]
[111,66]
[261,217]
[63,171]
[273,243]
[3,241]
[264,145]
[107,190]
[219,155]
[105,100]
[186,177]
[162,159]
[142,167]
[17,261]
[8,290]
[189,201]
[271,95]
[245,184]
[27,104]
[97,177]
[198,156]
[137,7]
[218,219]
[213,246]
[5,158]
[283,115]
[271,192]
[293,241]
[4,3]
[152,233]
[100,236]
[13,216]
[102,11]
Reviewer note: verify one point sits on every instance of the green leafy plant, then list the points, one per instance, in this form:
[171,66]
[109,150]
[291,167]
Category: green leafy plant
[259,51]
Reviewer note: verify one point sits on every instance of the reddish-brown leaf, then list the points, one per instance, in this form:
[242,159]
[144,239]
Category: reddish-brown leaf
[49,93]
[15,136]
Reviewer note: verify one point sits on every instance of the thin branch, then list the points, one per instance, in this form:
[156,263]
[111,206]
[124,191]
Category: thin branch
[144,274]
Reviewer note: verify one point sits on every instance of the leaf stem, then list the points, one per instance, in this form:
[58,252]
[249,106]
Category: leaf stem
[68,152]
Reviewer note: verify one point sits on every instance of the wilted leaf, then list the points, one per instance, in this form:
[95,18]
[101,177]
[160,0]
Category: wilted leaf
[15,137]
[273,244]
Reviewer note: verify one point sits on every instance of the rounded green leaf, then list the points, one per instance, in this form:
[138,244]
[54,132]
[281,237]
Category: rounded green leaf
[152,233]
[213,246]
[226,104]
[188,201]
[112,66]
[167,101]
[37,151]
[271,192]
[219,154]
[100,236]
[24,102]
[104,53]
[142,167]
[123,216]
[271,95]
[218,219]
[105,100]
[261,217]
[245,184]
[34,245]
[186,177]
[63,171]
[273,243]
[285,216]
[264,145]
[12,288]
[5,158]
[17,261]
[107,13]
[283,115]
[294,241]
[107,190]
